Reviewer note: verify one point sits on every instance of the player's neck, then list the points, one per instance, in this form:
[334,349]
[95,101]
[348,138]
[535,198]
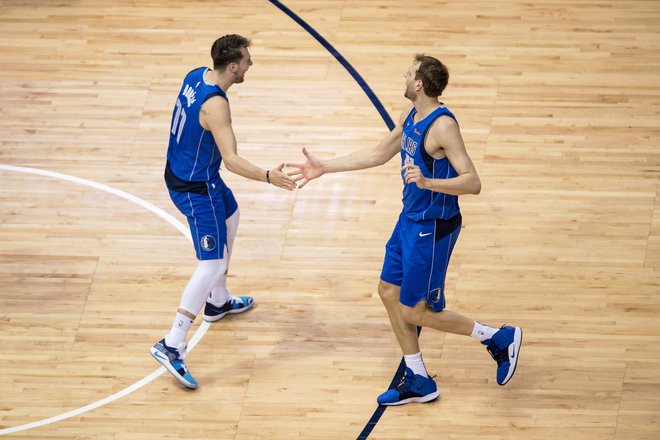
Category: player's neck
[220,79]
[425,106]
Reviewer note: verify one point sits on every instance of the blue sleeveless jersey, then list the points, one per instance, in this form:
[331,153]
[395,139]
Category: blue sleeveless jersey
[192,153]
[424,204]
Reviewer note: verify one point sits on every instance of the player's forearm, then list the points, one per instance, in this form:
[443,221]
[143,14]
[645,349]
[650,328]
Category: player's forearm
[242,167]
[359,160]
[467,183]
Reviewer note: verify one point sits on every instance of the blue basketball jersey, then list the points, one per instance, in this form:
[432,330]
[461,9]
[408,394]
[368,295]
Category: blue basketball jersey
[423,204]
[192,153]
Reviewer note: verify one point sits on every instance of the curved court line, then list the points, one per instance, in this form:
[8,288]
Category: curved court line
[343,61]
[199,334]
[124,195]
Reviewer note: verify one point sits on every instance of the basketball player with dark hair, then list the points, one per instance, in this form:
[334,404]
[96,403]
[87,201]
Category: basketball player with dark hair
[201,137]
[435,169]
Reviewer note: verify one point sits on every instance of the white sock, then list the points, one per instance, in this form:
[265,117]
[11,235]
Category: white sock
[193,298]
[416,364]
[179,330]
[220,295]
[482,332]
[202,281]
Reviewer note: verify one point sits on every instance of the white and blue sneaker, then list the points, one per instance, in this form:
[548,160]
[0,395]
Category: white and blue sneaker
[172,359]
[235,304]
[412,388]
[504,347]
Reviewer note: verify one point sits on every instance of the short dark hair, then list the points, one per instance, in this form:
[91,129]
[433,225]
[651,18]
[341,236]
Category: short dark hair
[227,50]
[433,73]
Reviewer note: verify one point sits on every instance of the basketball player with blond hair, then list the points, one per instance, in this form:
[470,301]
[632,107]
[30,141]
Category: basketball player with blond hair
[435,169]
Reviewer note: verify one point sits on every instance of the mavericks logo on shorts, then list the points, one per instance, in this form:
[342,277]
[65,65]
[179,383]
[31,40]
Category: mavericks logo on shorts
[436,298]
[207,242]
[435,295]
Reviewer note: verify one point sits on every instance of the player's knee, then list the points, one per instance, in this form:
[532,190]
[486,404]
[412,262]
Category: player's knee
[212,269]
[412,315]
[388,293]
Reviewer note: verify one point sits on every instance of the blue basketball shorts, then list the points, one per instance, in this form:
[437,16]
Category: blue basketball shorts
[417,256]
[207,212]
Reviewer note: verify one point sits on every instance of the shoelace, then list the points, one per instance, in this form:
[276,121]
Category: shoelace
[181,349]
[497,354]
[404,384]
[236,300]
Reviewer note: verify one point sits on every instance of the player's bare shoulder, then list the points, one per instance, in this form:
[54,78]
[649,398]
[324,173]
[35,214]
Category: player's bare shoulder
[214,111]
[444,134]
[445,124]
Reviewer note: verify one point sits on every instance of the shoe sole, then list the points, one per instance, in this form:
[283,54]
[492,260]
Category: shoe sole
[424,399]
[215,318]
[168,367]
[517,343]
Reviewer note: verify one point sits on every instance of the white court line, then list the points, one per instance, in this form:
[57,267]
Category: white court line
[124,195]
[142,382]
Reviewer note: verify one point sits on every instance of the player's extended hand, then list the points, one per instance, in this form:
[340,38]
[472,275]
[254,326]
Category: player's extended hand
[413,174]
[280,179]
[307,171]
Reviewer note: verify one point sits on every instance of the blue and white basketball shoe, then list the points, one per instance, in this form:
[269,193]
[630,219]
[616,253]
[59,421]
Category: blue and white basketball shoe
[504,347]
[172,359]
[235,304]
[412,388]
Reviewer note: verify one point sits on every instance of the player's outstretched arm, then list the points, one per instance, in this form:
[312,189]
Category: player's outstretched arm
[314,167]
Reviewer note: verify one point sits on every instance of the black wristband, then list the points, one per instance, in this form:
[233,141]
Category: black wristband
[267,176]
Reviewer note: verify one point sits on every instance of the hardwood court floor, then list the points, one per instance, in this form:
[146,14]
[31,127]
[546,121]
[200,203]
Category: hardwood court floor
[559,106]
